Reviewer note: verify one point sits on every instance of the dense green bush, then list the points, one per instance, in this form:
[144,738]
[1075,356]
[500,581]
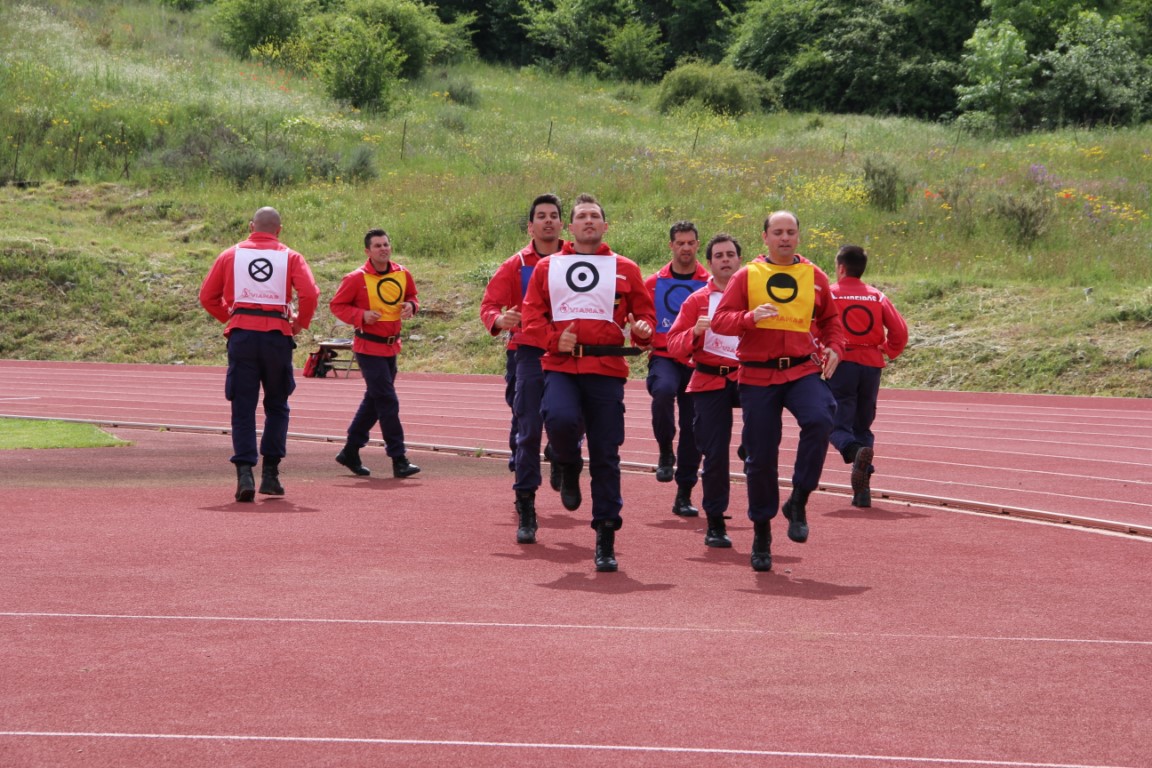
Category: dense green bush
[246,24]
[412,28]
[360,66]
[719,87]
[635,53]
[1093,75]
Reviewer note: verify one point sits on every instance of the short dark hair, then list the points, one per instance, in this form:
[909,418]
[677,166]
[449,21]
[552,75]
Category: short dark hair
[586,199]
[722,237]
[545,199]
[853,259]
[682,226]
[375,233]
[768,218]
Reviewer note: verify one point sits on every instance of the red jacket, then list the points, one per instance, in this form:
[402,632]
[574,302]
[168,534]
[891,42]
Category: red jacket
[687,347]
[218,290]
[506,289]
[351,300]
[540,331]
[674,298]
[872,325]
[734,318]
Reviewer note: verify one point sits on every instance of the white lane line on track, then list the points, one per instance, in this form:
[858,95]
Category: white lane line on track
[573,627]
[556,746]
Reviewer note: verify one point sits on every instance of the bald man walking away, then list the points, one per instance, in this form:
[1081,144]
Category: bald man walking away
[250,289]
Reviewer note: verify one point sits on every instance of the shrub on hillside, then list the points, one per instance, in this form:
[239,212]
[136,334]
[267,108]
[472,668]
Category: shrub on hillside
[359,66]
[246,24]
[1027,214]
[884,184]
[412,28]
[635,52]
[719,87]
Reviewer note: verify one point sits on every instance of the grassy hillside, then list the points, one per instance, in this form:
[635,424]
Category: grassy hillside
[1022,264]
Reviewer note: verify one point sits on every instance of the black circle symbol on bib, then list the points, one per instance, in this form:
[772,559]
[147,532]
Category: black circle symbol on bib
[395,290]
[582,277]
[674,297]
[782,288]
[260,270]
[857,320]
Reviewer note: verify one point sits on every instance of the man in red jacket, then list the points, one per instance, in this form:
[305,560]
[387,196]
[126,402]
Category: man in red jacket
[778,305]
[249,288]
[374,300]
[713,384]
[579,304]
[500,312]
[668,377]
[874,329]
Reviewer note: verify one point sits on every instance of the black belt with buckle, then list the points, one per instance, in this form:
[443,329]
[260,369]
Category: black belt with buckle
[716,370]
[374,337]
[779,363]
[259,312]
[604,350]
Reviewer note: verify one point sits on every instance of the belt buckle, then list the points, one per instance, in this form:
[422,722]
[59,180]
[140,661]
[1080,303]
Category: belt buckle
[391,340]
[578,350]
[725,370]
[783,363]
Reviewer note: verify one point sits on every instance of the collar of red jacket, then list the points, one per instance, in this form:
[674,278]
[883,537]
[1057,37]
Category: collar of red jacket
[603,250]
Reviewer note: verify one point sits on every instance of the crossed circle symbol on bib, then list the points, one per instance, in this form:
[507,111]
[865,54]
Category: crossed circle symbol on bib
[782,288]
[260,270]
[582,277]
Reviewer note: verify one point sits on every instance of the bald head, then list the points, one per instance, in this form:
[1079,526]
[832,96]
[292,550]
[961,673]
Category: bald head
[781,214]
[782,236]
[266,220]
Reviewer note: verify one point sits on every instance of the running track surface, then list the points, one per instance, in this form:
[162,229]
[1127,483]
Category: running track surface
[1080,458]
[145,618]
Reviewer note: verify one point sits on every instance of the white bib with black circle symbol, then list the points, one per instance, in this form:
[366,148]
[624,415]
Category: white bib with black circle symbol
[723,346]
[582,287]
[260,277]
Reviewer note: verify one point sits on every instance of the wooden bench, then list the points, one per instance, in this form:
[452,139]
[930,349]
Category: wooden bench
[339,357]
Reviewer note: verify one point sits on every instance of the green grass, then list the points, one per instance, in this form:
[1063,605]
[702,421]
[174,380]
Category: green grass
[108,268]
[33,433]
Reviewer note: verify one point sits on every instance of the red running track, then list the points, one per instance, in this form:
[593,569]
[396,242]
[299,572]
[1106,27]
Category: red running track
[146,619]
[1081,459]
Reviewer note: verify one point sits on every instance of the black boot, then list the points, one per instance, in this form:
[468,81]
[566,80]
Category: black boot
[350,457]
[682,507]
[605,547]
[794,509]
[245,483]
[761,546]
[553,468]
[717,533]
[526,511]
[570,485]
[666,466]
[401,467]
[270,477]
[861,477]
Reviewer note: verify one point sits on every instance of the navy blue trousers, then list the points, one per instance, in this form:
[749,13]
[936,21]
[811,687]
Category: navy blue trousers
[810,401]
[379,405]
[713,428]
[667,384]
[259,359]
[528,423]
[510,399]
[856,388]
[577,403]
